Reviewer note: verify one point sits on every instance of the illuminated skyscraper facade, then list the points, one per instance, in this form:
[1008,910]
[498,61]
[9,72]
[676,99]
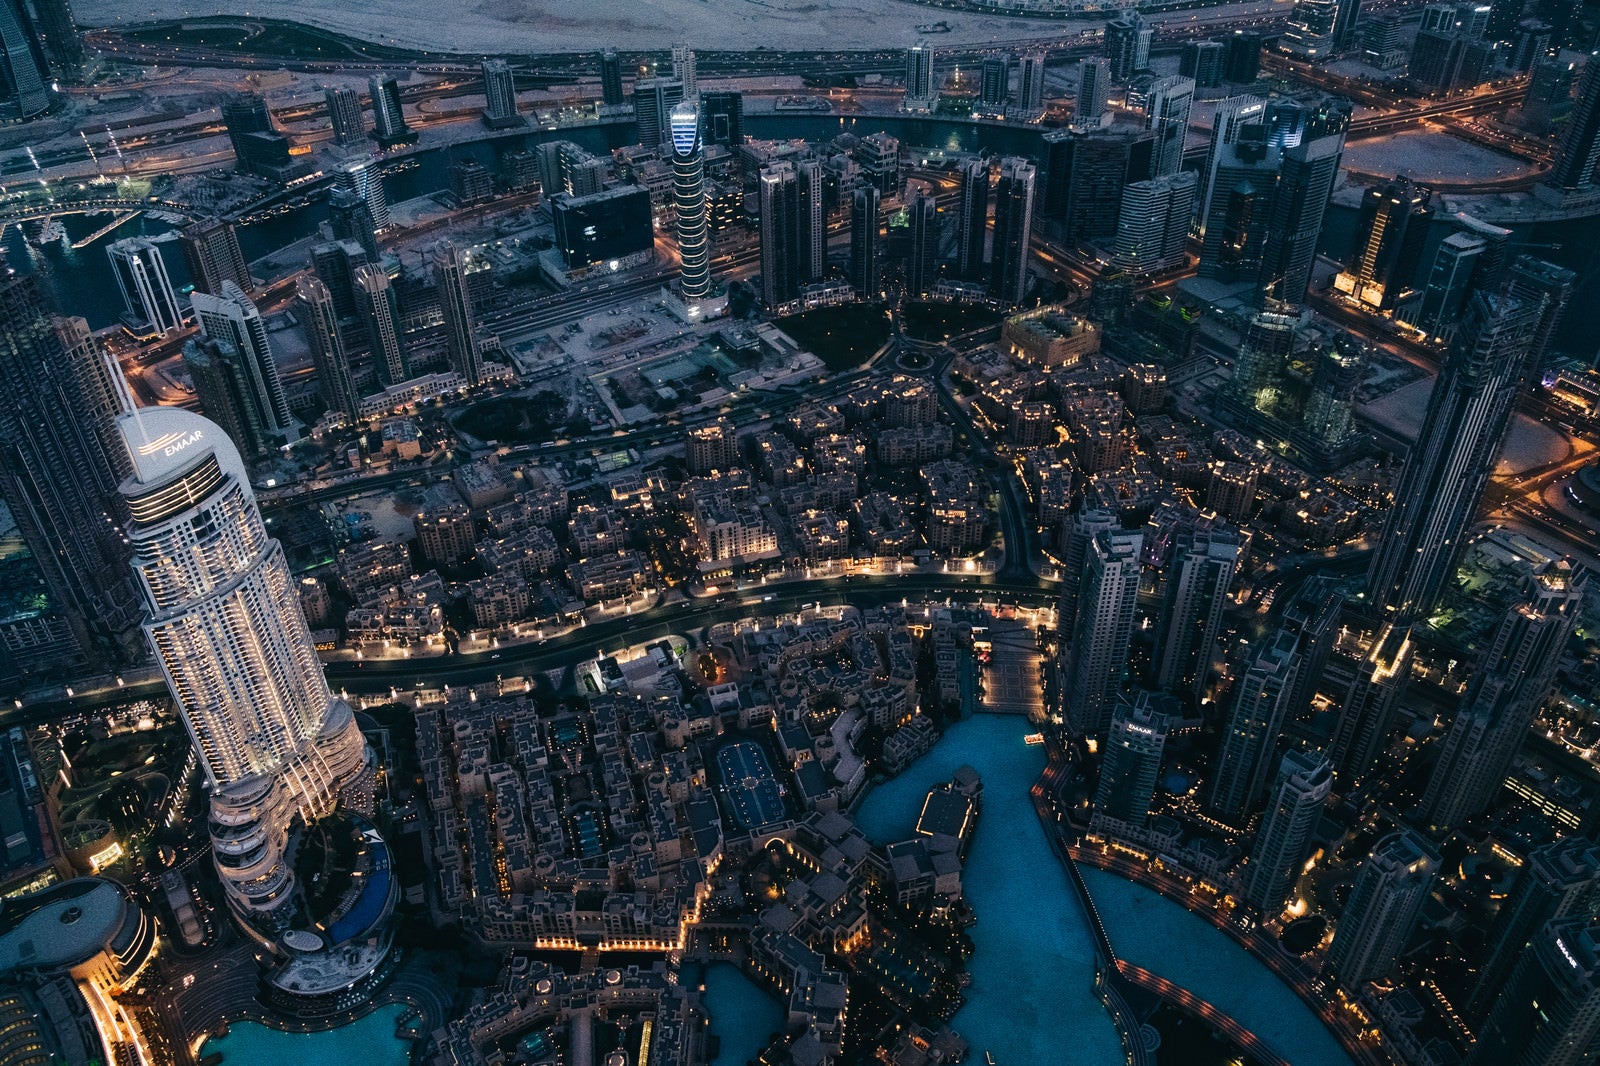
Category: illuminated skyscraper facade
[689,198]
[223,617]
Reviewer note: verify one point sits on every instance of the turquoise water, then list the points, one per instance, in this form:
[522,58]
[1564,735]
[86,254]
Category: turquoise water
[743,1015]
[1151,931]
[1032,997]
[370,1041]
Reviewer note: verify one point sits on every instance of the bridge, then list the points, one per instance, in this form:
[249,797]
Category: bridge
[39,210]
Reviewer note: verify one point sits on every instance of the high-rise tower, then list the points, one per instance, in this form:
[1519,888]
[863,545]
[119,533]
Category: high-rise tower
[1381,914]
[1013,231]
[611,78]
[58,399]
[377,303]
[1391,232]
[1127,45]
[1578,150]
[27,75]
[919,77]
[224,619]
[1094,90]
[683,69]
[780,234]
[1248,752]
[1166,112]
[362,178]
[389,126]
[1103,629]
[344,115]
[1549,1013]
[147,292]
[1305,182]
[973,219]
[1198,579]
[499,95]
[1132,761]
[689,199]
[233,317]
[1437,497]
[864,242]
[1558,880]
[455,304]
[1304,780]
[327,346]
[211,250]
[924,244]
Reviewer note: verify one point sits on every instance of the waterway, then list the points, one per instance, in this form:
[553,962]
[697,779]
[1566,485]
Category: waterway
[370,1041]
[1032,997]
[1152,932]
[744,1016]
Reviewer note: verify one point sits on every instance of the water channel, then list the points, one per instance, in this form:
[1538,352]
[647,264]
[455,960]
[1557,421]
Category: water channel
[370,1041]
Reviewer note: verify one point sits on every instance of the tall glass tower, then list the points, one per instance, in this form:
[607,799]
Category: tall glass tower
[223,617]
[689,197]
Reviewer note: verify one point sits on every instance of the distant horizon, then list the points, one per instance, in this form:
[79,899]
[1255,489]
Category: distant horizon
[551,26]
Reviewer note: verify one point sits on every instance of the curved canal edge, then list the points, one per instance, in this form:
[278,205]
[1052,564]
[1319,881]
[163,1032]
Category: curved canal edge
[1114,975]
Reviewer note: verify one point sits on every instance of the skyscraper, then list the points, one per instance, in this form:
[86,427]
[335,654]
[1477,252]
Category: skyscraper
[455,304]
[683,69]
[1248,752]
[225,623]
[1085,173]
[1381,914]
[973,220]
[344,114]
[1232,115]
[879,155]
[1198,578]
[363,178]
[1166,112]
[1368,704]
[231,318]
[994,82]
[1013,231]
[27,75]
[499,95]
[653,101]
[689,202]
[1153,224]
[1390,234]
[1094,90]
[1328,420]
[147,293]
[57,398]
[1131,764]
[1127,45]
[327,346]
[1437,497]
[919,77]
[211,250]
[1269,338]
[1203,61]
[812,220]
[1102,629]
[1310,32]
[378,305]
[923,262]
[1513,680]
[781,234]
[58,33]
[722,118]
[1578,149]
[1305,182]
[1548,287]
[389,126]
[1559,880]
[1237,221]
[1549,1013]
[1345,19]
[1241,60]
[1449,284]
[1304,780]
[1030,84]
[610,77]
[864,242]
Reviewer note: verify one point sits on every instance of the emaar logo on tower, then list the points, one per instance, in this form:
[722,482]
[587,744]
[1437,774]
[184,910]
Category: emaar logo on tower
[170,444]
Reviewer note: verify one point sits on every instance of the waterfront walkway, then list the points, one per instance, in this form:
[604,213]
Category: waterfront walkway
[1128,975]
